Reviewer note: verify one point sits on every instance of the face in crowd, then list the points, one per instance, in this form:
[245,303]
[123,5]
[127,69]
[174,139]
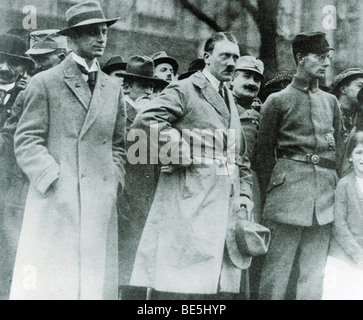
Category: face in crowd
[314,64]
[221,61]
[46,61]
[350,90]
[90,41]
[246,84]
[138,88]
[165,72]
[10,70]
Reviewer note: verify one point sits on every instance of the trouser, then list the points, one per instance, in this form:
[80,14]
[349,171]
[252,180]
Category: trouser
[294,264]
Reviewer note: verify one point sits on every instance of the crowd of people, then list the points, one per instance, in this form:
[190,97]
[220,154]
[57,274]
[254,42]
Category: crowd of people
[131,180]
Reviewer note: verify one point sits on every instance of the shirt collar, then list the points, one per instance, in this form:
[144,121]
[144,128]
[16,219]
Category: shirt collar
[7,87]
[304,85]
[83,63]
[212,79]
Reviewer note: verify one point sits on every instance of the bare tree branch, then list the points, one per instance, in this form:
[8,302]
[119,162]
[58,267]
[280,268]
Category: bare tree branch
[201,15]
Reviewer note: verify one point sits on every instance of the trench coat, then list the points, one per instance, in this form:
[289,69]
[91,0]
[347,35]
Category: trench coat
[134,203]
[70,144]
[183,248]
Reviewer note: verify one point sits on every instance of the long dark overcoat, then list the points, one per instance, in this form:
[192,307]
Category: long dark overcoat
[70,145]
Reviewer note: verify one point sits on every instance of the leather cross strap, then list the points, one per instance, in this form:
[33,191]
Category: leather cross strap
[307,158]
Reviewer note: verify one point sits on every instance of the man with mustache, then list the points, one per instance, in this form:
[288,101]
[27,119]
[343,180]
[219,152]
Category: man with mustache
[246,84]
[70,144]
[184,251]
[47,49]
[299,150]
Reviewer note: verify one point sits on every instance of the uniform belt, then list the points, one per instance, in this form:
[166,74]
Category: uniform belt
[307,158]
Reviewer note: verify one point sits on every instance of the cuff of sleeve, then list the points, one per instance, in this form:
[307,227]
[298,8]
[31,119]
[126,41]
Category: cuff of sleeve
[47,178]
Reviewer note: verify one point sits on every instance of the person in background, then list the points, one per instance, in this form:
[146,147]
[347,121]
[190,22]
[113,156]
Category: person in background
[194,66]
[279,81]
[70,143]
[166,68]
[115,67]
[184,249]
[344,268]
[141,179]
[246,83]
[297,161]
[47,49]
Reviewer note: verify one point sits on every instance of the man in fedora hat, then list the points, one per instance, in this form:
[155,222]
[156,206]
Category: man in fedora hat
[13,65]
[166,67]
[184,252]
[47,49]
[141,179]
[298,153]
[70,144]
[115,67]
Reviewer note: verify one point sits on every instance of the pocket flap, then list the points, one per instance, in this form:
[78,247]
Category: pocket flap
[276,181]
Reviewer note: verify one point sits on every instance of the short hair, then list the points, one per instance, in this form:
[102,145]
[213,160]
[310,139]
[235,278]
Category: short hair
[219,36]
[355,138]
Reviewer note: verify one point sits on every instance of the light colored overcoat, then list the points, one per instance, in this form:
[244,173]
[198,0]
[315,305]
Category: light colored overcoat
[70,145]
[183,245]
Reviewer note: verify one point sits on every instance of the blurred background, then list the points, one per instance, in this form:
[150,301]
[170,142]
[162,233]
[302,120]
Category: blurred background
[264,28]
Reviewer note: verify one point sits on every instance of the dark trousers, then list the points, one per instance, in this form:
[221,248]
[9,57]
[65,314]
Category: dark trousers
[294,264]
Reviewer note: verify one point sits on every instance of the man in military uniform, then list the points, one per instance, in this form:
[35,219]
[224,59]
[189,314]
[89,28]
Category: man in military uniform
[301,128]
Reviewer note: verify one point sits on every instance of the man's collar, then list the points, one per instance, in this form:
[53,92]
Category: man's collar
[94,66]
[212,79]
[7,87]
[305,85]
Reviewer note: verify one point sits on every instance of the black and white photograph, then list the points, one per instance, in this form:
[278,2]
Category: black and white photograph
[194,151]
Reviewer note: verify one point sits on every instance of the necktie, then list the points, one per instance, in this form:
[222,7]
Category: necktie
[221,91]
[3,94]
[91,76]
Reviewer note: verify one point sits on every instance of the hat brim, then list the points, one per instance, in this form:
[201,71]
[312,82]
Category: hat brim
[39,51]
[187,74]
[335,86]
[152,79]
[251,69]
[22,60]
[66,31]
[168,60]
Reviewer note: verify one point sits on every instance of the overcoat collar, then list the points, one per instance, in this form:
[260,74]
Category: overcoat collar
[93,103]
[211,95]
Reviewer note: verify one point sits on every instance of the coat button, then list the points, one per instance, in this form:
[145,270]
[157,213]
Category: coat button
[83,175]
[104,141]
[78,85]
[8,111]
[104,178]
[147,176]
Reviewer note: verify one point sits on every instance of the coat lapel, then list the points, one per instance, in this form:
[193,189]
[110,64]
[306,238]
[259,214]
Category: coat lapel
[74,80]
[210,94]
[234,123]
[97,102]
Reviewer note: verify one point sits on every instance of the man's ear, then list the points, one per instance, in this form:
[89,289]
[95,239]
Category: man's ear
[300,58]
[206,58]
[126,87]
[343,90]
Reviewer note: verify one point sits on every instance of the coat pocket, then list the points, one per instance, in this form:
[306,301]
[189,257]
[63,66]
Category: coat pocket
[276,181]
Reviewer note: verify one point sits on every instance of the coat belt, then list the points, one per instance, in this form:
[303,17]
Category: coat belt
[307,158]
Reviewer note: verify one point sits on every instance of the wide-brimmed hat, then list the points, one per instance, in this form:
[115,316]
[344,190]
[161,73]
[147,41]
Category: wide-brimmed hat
[115,63]
[84,14]
[14,47]
[46,41]
[162,57]
[250,63]
[245,238]
[345,75]
[142,67]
